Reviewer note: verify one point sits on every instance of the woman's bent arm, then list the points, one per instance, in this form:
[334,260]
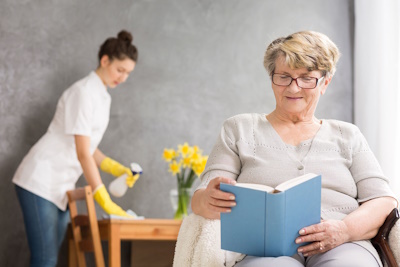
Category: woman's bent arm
[87,161]
[364,222]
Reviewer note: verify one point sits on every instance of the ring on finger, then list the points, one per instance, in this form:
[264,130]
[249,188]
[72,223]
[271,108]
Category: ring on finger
[321,247]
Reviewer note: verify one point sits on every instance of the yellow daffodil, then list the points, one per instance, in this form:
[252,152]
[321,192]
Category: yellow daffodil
[169,154]
[195,156]
[186,163]
[185,149]
[199,165]
[197,150]
[197,169]
[204,161]
[175,167]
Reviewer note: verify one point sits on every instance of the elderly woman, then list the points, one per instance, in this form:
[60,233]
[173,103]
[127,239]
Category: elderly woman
[290,141]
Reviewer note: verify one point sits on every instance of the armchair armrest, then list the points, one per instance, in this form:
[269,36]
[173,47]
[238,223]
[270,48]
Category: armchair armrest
[381,240]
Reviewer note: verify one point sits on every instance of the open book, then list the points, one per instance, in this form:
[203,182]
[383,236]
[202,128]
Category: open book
[266,221]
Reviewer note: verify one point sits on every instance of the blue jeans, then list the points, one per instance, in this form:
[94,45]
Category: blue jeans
[45,226]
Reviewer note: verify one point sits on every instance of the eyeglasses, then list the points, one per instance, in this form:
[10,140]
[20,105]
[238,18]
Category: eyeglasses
[302,82]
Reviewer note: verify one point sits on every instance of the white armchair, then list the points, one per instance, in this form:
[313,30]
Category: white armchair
[199,243]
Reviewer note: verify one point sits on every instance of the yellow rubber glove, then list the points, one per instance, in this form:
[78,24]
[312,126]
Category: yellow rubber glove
[116,169]
[131,180]
[103,199]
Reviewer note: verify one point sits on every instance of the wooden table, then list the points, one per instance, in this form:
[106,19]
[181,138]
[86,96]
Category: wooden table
[114,231]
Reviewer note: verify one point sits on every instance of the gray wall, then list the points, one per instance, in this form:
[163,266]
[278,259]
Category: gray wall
[200,62]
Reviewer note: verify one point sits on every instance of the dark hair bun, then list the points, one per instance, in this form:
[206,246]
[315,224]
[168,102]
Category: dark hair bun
[125,36]
[119,48]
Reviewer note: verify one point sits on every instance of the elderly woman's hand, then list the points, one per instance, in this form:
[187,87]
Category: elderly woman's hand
[210,202]
[323,237]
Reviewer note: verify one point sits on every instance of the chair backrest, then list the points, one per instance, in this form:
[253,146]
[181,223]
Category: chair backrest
[85,227]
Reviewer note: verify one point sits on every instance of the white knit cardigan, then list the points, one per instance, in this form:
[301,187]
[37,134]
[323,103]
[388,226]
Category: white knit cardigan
[248,149]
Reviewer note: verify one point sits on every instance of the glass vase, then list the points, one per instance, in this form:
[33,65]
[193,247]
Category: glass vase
[180,200]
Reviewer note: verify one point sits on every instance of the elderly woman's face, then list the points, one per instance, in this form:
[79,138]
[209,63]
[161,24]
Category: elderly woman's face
[292,99]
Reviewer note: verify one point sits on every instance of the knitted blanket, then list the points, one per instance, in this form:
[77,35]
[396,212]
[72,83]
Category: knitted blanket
[199,245]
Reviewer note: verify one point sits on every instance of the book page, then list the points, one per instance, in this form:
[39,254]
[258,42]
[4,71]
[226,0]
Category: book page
[295,181]
[259,187]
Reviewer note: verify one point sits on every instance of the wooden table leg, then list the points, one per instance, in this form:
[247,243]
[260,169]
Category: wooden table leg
[72,259]
[114,246]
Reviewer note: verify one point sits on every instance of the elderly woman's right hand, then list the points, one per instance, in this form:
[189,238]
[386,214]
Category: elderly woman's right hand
[211,201]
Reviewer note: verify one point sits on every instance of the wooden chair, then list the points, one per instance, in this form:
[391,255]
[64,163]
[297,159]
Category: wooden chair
[381,240]
[85,227]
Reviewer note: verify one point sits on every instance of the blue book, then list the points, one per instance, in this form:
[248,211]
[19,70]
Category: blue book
[266,221]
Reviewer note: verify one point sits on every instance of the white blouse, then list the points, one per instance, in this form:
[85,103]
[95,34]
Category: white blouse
[51,167]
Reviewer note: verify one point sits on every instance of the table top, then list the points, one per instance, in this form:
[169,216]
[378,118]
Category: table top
[142,221]
[146,229]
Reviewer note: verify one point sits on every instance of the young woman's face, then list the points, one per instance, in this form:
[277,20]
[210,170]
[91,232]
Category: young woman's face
[116,71]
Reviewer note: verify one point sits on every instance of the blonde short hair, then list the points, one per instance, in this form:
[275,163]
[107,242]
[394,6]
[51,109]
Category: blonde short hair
[305,49]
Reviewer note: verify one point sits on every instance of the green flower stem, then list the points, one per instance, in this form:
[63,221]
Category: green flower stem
[190,179]
[184,191]
[183,202]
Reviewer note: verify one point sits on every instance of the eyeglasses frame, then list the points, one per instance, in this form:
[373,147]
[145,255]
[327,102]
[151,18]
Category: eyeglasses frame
[295,79]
